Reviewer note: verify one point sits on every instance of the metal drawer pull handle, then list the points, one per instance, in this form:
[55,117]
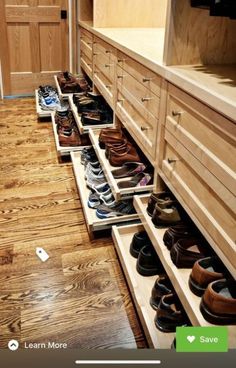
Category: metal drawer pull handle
[108,65]
[108,51]
[89,43]
[121,100]
[177,113]
[144,128]
[171,161]
[95,53]
[89,64]
[147,79]
[121,60]
[143,99]
[120,76]
[108,86]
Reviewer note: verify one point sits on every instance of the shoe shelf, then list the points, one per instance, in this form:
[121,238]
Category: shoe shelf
[179,277]
[118,193]
[92,221]
[140,286]
[41,113]
[63,150]
[84,128]
[60,94]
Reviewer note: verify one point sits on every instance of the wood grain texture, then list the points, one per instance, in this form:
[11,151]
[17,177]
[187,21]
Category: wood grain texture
[123,13]
[79,296]
[197,38]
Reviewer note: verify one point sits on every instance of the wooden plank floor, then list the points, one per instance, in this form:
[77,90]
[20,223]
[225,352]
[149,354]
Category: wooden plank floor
[79,296]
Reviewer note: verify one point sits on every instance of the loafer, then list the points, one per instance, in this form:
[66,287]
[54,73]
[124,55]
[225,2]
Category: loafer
[166,214]
[161,287]
[128,169]
[170,314]
[72,140]
[204,272]
[180,231]
[140,239]
[160,197]
[148,262]
[218,304]
[186,252]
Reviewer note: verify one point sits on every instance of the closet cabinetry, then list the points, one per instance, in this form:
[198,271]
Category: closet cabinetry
[172,86]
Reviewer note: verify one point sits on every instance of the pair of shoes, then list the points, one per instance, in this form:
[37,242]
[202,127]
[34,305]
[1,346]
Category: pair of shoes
[128,169]
[66,128]
[169,311]
[110,135]
[95,199]
[71,84]
[164,209]
[139,180]
[170,314]
[148,263]
[95,178]
[48,98]
[88,155]
[120,208]
[211,280]
[96,117]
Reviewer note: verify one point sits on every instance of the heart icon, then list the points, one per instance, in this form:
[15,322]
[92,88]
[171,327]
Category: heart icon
[191,339]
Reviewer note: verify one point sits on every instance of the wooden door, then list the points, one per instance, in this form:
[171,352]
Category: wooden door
[34,43]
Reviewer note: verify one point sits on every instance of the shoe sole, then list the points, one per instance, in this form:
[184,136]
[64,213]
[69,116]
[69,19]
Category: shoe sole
[215,318]
[195,288]
[144,272]
[164,327]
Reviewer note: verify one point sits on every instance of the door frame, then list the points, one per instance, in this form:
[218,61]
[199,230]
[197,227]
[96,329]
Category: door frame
[4,52]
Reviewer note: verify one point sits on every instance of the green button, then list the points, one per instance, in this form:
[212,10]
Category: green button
[202,339]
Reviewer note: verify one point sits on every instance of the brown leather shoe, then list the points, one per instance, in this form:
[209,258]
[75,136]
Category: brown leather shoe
[109,135]
[186,252]
[160,197]
[204,272]
[118,159]
[71,140]
[180,231]
[218,304]
[166,214]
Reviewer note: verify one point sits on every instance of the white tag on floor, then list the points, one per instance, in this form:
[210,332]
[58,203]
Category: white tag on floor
[42,254]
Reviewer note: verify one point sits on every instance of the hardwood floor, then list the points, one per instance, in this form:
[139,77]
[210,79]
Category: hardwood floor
[79,296]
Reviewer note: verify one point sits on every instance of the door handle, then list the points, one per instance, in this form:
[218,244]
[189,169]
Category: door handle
[63,14]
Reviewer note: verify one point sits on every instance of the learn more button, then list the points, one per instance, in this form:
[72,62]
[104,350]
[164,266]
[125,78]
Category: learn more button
[202,339]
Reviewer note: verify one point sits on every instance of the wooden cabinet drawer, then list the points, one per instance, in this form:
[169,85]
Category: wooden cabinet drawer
[143,129]
[142,74]
[209,136]
[143,96]
[101,46]
[86,36]
[86,49]
[104,64]
[86,64]
[193,185]
[105,87]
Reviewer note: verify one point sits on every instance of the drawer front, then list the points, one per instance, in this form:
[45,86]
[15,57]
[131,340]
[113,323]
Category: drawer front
[105,65]
[141,94]
[209,136]
[101,46]
[105,87]
[144,130]
[86,49]
[86,64]
[86,36]
[197,194]
[142,74]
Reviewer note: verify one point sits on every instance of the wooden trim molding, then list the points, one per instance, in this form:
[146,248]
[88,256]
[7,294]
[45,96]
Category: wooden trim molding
[4,51]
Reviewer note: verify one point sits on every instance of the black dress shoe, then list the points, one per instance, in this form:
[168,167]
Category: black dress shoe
[148,263]
[170,314]
[161,287]
[139,240]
